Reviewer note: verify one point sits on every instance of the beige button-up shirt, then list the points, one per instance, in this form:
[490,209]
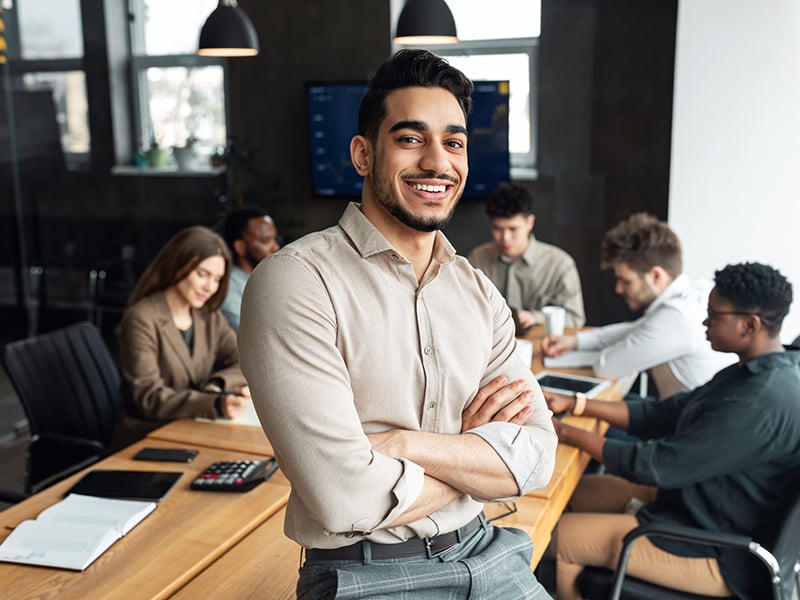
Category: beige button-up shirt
[544,275]
[338,339]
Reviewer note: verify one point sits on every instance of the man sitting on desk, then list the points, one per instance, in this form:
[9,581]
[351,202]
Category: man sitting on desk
[667,341]
[252,236]
[724,457]
[530,274]
[389,388]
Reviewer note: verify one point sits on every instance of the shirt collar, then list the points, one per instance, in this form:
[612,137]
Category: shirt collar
[774,360]
[369,241]
[528,257]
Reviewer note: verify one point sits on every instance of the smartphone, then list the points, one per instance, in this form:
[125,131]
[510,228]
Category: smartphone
[166,454]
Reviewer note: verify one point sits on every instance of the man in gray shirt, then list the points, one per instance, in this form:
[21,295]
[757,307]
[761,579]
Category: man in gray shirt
[383,369]
[529,273]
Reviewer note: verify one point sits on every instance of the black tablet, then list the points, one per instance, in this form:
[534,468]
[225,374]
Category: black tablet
[126,485]
[564,383]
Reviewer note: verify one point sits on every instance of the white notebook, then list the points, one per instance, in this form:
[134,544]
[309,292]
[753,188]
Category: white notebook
[72,533]
[572,360]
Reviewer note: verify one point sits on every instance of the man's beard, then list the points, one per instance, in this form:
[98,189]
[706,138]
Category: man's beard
[382,189]
[250,259]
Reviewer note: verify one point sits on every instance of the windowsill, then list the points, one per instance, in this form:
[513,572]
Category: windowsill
[131,170]
[523,174]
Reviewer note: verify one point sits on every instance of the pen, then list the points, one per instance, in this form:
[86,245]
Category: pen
[219,393]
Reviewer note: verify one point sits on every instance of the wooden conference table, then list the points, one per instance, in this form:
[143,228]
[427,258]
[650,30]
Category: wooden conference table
[200,545]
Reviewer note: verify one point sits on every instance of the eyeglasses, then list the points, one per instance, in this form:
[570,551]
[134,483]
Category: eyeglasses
[713,314]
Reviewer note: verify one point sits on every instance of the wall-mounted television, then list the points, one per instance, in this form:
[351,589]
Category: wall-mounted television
[332,111]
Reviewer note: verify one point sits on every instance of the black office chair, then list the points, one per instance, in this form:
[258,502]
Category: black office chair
[782,564]
[69,387]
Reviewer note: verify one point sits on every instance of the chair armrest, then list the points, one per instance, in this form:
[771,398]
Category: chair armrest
[53,456]
[689,534]
[56,439]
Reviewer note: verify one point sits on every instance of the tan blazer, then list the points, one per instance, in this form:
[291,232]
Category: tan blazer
[159,375]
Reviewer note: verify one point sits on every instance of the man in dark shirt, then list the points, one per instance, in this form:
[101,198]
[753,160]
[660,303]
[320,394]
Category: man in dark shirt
[723,457]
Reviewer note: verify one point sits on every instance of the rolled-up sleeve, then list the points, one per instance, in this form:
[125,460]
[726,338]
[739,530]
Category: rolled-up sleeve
[523,454]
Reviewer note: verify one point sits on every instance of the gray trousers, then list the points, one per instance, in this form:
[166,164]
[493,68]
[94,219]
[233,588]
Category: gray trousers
[492,564]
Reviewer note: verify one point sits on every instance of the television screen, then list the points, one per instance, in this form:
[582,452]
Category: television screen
[332,110]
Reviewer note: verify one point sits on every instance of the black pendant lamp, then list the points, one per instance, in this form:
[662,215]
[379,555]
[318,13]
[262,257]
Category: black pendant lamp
[228,32]
[425,22]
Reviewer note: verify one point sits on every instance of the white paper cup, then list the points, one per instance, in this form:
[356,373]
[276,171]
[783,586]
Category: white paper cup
[525,351]
[554,318]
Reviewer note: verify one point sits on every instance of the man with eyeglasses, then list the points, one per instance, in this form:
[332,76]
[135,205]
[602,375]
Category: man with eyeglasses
[667,341]
[724,457]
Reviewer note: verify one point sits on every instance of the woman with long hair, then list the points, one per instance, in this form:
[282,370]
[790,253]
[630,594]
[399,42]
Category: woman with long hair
[178,354]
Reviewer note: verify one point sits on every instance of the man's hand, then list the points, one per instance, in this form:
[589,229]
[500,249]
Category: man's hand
[500,401]
[526,319]
[556,345]
[559,403]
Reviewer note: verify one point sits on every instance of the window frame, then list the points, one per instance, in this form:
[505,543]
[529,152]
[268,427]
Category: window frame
[141,125]
[16,67]
[521,163]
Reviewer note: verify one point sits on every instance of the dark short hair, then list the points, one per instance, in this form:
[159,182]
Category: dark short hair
[642,242]
[758,288]
[409,68]
[236,223]
[508,200]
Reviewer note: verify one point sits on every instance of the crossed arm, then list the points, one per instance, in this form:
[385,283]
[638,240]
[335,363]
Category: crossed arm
[464,463]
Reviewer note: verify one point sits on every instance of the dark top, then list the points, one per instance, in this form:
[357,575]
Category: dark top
[725,457]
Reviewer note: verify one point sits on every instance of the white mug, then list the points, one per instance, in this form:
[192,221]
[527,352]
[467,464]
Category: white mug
[525,351]
[554,318]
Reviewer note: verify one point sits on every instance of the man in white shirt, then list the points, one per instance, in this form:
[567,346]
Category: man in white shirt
[529,273]
[252,236]
[668,341]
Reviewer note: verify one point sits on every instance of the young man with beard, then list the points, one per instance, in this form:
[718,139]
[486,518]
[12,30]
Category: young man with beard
[667,341]
[383,369]
[252,236]
[724,457]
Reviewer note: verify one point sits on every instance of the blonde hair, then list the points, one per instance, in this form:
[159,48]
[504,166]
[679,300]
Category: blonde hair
[177,258]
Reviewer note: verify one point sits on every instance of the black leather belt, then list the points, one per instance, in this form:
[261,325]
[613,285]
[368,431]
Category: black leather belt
[412,547]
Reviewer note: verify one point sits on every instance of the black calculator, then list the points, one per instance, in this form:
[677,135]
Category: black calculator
[234,475]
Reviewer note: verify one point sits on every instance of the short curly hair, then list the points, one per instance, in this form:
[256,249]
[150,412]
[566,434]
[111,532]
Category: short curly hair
[509,200]
[642,242]
[756,287]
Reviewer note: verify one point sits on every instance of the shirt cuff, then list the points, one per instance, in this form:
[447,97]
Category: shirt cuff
[518,449]
[587,340]
[414,476]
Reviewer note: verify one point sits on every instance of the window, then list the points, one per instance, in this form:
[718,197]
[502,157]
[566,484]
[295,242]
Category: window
[45,52]
[179,97]
[500,43]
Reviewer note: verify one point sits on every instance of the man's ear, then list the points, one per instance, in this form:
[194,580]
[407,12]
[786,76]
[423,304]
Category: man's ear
[361,154]
[530,221]
[753,324]
[659,277]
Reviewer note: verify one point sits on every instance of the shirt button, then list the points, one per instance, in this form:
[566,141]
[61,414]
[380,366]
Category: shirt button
[427,350]
[431,405]
[395,257]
